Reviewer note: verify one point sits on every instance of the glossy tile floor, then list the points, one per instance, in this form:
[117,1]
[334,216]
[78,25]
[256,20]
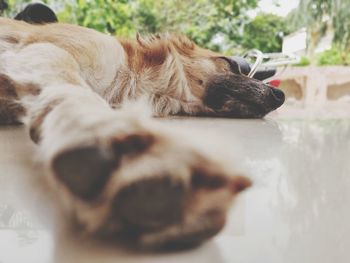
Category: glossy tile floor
[297,211]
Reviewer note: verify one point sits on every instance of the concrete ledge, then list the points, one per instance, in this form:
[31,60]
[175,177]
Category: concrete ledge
[318,85]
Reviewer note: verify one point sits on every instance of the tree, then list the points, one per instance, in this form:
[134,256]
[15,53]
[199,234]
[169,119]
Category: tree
[109,16]
[265,33]
[320,16]
[341,24]
[204,21]
[215,24]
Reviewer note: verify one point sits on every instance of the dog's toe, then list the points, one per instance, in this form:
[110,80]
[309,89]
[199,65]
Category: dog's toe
[84,170]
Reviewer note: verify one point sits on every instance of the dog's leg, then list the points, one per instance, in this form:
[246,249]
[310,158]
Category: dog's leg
[123,174]
[118,173]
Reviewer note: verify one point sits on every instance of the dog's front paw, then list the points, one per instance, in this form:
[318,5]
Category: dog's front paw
[146,186]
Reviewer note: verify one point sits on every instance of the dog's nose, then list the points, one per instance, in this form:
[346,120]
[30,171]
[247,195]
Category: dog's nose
[277,96]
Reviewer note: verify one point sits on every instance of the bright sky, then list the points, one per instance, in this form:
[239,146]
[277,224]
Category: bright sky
[285,6]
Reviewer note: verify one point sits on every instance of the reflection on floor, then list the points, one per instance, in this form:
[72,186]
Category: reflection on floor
[297,210]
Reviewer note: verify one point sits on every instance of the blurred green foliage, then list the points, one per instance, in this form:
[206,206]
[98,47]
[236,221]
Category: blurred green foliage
[304,61]
[333,56]
[265,33]
[321,17]
[204,21]
[227,26]
[215,24]
[104,15]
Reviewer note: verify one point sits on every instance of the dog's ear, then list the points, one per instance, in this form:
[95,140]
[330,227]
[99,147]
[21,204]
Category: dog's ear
[235,66]
[37,14]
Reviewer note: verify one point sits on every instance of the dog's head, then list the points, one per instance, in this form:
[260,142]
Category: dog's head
[236,95]
[198,81]
[224,90]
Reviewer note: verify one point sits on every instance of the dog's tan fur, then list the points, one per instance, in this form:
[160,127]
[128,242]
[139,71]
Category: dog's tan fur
[73,81]
[169,69]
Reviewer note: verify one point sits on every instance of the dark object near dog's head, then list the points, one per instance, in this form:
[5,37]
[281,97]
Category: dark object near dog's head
[37,14]
[243,65]
[261,74]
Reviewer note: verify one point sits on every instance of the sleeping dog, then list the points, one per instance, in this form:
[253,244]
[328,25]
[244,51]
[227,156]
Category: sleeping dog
[117,172]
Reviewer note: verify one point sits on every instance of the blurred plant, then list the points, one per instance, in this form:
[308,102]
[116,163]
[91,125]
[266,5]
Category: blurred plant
[104,15]
[215,24]
[341,24]
[304,61]
[321,17]
[334,56]
[265,33]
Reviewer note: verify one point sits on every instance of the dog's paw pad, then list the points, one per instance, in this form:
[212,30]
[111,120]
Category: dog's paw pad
[151,203]
[84,170]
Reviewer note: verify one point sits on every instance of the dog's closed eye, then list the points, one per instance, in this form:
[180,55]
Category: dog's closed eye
[233,65]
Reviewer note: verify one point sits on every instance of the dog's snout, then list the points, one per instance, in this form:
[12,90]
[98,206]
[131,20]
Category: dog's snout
[233,95]
[278,96]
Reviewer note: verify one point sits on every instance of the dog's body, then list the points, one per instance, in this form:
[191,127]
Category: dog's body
[119,172]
